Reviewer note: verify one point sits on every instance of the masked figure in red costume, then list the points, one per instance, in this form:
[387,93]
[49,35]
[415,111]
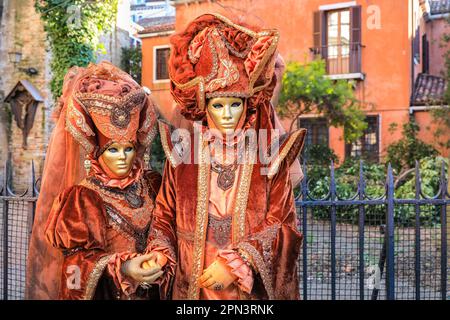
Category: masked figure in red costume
[101,217]
[225,216]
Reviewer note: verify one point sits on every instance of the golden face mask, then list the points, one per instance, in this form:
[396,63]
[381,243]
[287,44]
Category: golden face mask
[119,158]
[225,112]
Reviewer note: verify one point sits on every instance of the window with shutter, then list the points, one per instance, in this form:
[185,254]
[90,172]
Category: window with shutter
[425,54]
[161,58]
[337,39]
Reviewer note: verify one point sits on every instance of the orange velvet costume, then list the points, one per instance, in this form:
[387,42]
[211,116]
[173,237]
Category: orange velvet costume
[254,223]
[97,221]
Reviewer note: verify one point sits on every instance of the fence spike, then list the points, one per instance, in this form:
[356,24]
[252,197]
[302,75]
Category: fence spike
[444,234]
[32,178]
[332,182]
[362,184]
[389,236]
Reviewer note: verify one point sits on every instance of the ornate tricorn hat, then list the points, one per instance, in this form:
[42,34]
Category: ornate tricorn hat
[107,106]
[216,57]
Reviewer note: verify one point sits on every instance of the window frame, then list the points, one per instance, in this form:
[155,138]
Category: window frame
[315,119]
[155,64]
[362,140]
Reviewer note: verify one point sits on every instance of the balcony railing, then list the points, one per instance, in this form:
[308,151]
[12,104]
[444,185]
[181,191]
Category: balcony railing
[341,59]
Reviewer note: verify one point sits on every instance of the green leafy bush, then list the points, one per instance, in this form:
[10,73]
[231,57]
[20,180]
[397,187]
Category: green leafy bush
[347,179]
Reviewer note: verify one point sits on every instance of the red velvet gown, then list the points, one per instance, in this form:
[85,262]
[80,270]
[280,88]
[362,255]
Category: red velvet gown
[97,228]
[261,229]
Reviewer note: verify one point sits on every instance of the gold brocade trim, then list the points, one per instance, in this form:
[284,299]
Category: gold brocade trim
[160,240]
[242,195]
[140,93]
[80,121]
[247,258]
[94,277]
[79,137]
[273,168]
[260,267]
[165,145]
[201,218]
[240,28]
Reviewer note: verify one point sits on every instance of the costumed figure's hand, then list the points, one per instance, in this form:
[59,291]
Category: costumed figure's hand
[217,276]
[158,260]
[134,269]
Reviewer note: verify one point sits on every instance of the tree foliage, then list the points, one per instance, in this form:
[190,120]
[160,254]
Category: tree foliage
[131,62]
[73,28]
[306,89]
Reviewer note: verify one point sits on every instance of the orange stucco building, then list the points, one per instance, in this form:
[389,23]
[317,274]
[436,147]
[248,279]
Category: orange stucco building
[383,46]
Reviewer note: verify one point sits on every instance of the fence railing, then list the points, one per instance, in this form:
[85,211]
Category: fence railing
[16,221]
[367,256]
[376,255]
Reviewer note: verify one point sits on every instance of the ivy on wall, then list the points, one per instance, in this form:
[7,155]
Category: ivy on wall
[73,28]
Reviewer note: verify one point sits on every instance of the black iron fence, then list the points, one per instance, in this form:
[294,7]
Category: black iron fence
[367,256]
[16,221]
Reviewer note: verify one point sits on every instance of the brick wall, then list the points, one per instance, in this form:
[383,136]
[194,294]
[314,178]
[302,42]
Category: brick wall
[22,30]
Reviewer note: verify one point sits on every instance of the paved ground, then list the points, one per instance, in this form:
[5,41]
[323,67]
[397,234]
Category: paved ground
[347,262]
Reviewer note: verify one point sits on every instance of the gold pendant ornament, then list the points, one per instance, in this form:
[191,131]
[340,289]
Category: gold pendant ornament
[87,166]
[147,160]
[227,174]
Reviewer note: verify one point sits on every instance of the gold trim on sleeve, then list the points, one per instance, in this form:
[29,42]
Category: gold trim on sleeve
[273,168]
[94,277]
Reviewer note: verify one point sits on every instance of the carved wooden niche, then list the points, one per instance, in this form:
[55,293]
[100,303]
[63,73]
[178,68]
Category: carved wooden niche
[24,99]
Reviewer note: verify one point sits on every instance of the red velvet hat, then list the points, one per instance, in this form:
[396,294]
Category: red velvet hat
[215,57]
[107,106]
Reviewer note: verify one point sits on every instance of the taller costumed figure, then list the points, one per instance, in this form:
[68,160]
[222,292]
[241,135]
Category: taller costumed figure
[225,212]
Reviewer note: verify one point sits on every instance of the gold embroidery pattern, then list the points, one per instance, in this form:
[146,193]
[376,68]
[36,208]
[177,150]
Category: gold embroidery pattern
[201,220]
[80,121]
[238,94]
[228,72]
[165,145]
[149,137]
[80,138]
[130,99]
[139,217]
[242,195]
[200,81]
[230,48]
[268,55]
[260,267]
[219,230]
[94,277]
[215,66]
[273,169]
[266,238]
[119,223]
[247,259]
[160,240]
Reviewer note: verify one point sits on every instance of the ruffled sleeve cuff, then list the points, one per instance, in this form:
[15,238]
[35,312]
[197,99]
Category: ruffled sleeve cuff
[169,267]
[239,268]
[127,285]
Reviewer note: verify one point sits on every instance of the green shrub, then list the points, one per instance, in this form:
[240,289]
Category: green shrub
[347,179]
